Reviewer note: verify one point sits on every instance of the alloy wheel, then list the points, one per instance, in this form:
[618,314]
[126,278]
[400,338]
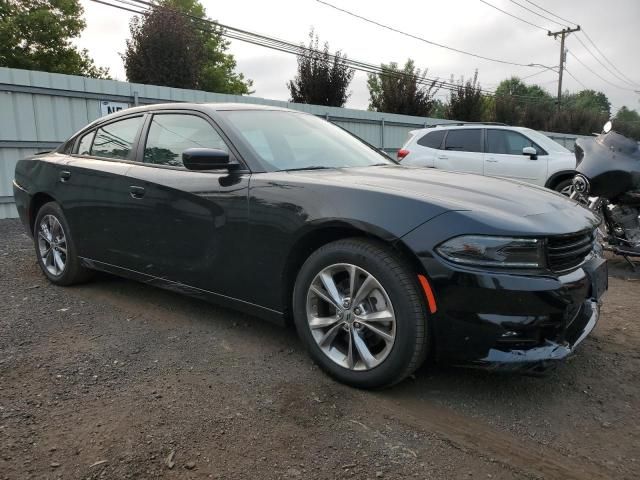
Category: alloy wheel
[567,191]
[351,316]
[52,245]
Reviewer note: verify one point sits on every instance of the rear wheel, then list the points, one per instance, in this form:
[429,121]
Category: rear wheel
[359,311]
[55,248]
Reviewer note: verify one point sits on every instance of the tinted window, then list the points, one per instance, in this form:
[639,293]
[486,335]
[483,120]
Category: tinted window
[115,140]
[84,146]
[508,142]
[464,140]
[171,134]
[432,139]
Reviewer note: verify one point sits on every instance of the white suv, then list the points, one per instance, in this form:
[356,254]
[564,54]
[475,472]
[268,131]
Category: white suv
[492,149]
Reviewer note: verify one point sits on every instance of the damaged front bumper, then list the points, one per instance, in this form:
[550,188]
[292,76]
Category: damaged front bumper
[544,357]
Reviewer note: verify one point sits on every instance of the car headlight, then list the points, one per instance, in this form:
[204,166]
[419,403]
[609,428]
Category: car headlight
[478,250]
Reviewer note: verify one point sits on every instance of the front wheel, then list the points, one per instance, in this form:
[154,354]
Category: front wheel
[565,187]
[358,309]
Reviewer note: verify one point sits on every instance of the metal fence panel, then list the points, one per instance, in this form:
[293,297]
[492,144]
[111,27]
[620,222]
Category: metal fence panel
[39,110]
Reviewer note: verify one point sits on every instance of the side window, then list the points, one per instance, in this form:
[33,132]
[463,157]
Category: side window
[171,134]
[508,142]
[464,140]
[84,145]
[432,139]
[115,140]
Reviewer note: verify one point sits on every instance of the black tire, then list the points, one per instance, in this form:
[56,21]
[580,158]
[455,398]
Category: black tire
[73,272]
[563,185]
[401,285]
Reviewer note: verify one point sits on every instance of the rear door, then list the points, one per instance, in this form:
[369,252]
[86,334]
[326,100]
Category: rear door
[425,150]
[191,226]
[504,157]
[96,189]
[462,151]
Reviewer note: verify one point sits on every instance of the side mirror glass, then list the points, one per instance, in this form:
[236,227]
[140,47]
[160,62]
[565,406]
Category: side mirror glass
[607,127]
[532,152]
[206,159]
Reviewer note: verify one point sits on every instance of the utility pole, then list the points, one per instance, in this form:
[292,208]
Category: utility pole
[563,33]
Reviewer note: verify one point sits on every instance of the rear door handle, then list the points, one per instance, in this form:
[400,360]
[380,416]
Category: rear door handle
[136,192]
[443,157]
[65,176]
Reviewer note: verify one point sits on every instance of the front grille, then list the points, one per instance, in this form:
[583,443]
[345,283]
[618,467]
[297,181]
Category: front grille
[565,252]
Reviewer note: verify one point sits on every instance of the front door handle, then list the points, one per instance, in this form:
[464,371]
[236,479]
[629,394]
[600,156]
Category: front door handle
[492,160]
[65,176]
[136,192]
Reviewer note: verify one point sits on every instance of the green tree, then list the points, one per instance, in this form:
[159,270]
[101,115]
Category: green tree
[322,78]
[438,109]
[163,50]
[627,122]
[402,91]
[626,114]
[218,70]
[466,101]
[588,100]
[517,103]
[176,45]
[36,35]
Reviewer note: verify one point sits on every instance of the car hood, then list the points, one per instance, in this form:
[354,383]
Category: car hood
[503,206]
[449,190]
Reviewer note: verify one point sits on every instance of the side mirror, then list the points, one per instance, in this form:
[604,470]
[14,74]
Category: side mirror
[206,159]
[607,127]
[532,152]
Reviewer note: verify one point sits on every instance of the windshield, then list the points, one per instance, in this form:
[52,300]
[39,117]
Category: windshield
[296,141]
[545,142]
[617,142]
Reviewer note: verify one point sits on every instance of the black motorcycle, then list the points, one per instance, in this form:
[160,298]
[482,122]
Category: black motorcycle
[608,181]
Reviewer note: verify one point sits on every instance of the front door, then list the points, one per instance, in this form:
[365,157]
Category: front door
[504,157]
[462,151]
[191,226]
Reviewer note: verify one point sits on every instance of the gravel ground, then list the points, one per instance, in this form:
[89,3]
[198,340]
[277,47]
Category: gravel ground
[116,379]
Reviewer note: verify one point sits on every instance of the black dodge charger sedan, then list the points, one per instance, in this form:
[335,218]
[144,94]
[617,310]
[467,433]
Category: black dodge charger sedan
[286,216]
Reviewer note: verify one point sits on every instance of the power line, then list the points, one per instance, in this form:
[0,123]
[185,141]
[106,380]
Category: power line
[608,61]
[538,14]
[624,78]
[415,37]
[618,77]
[597,74]
[288,47]
[513,16]
[538,73]
[550,13]
[572,76]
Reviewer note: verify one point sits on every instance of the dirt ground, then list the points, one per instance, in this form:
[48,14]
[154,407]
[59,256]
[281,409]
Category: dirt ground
[116,379]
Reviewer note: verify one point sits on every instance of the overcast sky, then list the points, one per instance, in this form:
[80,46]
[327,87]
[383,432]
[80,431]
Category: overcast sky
[463,24]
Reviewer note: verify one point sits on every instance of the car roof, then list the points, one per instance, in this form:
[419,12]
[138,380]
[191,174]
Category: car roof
[216,107]
[450,126]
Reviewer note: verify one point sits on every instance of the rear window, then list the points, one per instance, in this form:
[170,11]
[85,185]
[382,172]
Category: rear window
[116,139]
[84,146]
[432,139]
[464,140]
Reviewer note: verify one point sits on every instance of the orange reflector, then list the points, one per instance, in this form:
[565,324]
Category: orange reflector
[431,300]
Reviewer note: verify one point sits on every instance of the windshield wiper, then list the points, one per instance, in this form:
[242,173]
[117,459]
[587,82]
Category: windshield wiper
[312,167]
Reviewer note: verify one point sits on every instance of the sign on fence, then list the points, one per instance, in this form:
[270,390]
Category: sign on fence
[107,107]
